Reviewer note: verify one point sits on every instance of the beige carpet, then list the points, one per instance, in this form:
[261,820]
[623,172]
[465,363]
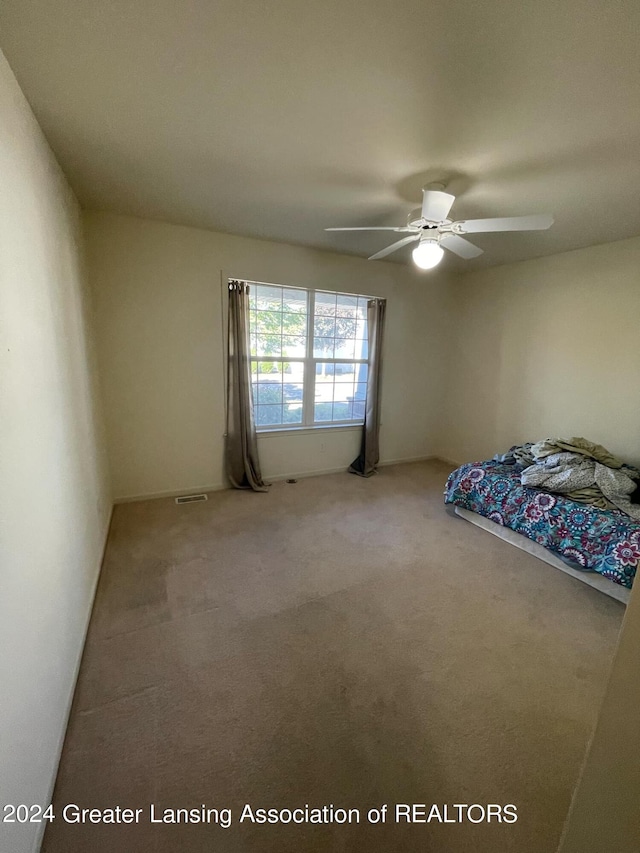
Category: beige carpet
[339,641]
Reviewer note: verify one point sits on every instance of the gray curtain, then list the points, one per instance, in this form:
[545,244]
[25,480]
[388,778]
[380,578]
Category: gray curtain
[241,445]
[365,464]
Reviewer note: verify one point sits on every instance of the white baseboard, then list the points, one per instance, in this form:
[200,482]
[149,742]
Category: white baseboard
[170,493]
[405,460]
[302,475]
[452,462]
[271,478]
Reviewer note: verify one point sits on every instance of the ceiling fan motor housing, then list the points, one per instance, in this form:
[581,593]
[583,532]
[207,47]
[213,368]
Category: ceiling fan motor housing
[415,220]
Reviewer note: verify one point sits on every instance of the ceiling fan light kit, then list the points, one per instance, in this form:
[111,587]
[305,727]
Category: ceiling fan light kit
[435,232]
[427,254]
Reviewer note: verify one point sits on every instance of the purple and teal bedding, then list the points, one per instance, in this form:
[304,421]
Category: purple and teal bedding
[603,541]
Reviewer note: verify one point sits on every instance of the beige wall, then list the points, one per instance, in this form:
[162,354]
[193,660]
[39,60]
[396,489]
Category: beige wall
[54,503]
[547,347]
[605,813]
[160,335]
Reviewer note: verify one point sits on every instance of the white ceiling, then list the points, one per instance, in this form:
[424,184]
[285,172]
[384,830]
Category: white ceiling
[277,118]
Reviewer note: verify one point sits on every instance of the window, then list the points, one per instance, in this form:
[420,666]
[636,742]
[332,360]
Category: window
[308,356]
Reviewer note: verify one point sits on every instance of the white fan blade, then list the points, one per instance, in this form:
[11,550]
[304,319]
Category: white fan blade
[513,223]
[394,247]
[436,205]
[459,246]
[373,228]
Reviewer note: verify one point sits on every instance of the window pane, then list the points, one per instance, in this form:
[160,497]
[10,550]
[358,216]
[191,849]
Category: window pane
[342,385]
[344,348]
[346,306]
[294,324]
[292,392]
[252,333]
[362,371]
[362,307]
[326,304]
[268,345]
[324,383]
[342,391]
[269,392]
[323,412]
[323,348]
[278,328]
[292,414]
[293,371]
[360,391]
[324,327]
[268,415]
[345,327]
[278,391]
[294,346]
[358,410]
[343,319]
[342,411]
[269,298]
[294,301]
[266,369]
[267,322]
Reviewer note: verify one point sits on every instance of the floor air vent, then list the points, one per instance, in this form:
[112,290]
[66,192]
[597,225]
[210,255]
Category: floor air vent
[190,499]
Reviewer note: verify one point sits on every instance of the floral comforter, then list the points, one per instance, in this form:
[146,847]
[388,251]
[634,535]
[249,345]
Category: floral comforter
[604,541]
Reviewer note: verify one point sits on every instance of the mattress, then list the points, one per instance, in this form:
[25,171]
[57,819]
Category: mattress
[614,590]
[589,539]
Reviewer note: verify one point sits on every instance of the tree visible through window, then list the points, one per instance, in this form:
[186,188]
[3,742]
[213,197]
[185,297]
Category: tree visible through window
[308,356]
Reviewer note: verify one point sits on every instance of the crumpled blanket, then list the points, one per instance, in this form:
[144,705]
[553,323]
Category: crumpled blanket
[583,471]
[576,445]
[519,454]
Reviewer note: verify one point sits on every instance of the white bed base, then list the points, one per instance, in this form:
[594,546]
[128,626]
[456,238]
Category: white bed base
[592,578]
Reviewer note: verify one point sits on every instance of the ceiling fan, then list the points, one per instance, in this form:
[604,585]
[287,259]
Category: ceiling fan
[434,232]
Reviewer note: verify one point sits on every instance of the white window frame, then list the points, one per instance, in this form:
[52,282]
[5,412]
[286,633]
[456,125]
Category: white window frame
[309,361]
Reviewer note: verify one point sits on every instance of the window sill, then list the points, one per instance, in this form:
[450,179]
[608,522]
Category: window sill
[306,430]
